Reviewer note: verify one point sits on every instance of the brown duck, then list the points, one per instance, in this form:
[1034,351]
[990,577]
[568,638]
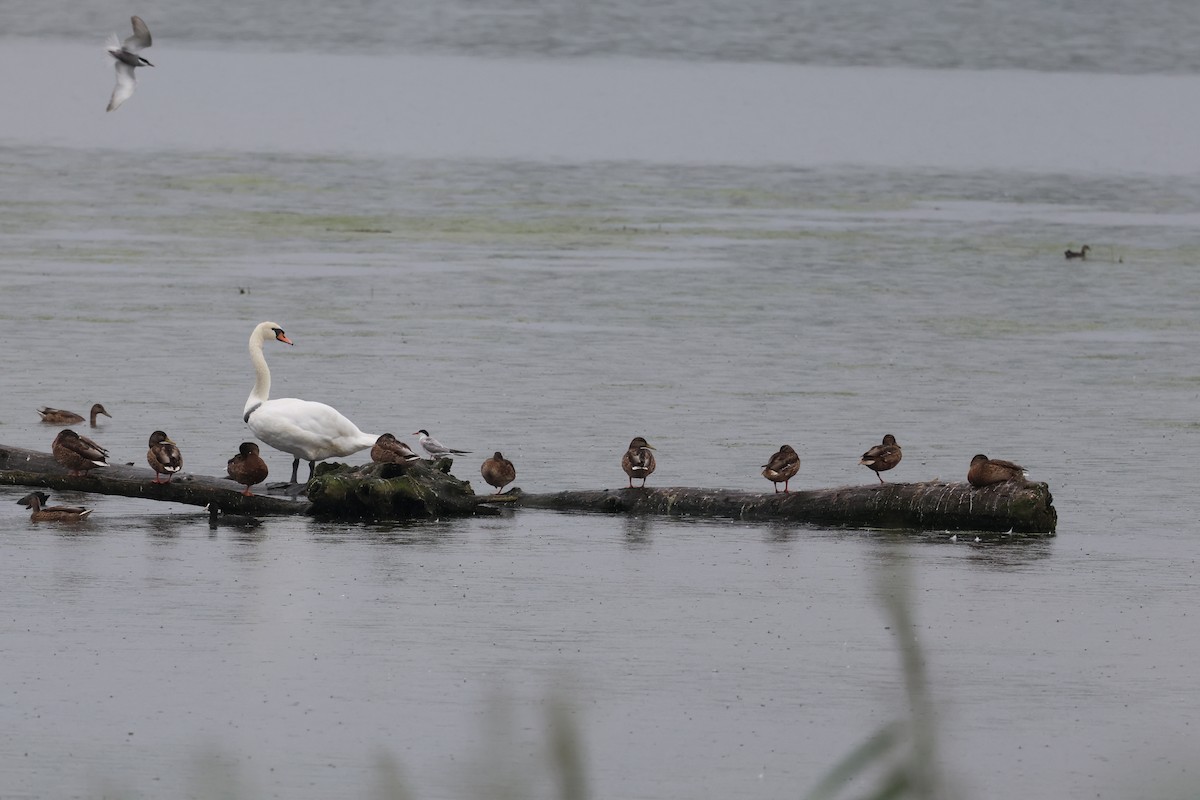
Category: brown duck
[78,453]
[882,457]
[985,471]
[247,467]
[56,416]
[390,450]
[498,471]
[42,513]
[638,461]
[782,467]
[163,456]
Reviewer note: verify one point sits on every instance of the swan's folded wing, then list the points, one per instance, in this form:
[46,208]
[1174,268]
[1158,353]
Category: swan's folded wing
[313,431]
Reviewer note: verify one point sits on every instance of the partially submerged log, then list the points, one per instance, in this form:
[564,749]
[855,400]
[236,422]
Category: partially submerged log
[21,467]
[420,489]
[1017,507]
[424,489]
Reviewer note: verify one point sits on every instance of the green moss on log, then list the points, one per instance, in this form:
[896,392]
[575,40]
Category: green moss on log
[420,489]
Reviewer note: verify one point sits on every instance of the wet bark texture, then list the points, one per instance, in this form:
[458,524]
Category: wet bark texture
[418,490]
[424,489]
[20,467]
[1021,508]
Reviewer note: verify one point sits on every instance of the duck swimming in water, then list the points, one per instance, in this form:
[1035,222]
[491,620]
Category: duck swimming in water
[42,513]
[57,416]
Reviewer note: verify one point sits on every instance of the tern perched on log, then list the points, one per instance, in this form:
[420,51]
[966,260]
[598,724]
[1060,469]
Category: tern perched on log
[435,448]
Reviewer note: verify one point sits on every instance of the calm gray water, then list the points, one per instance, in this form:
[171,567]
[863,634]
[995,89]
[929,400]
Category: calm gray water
[1122,36]
[552,308]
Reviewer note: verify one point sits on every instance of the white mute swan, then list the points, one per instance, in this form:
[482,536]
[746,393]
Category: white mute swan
[308,430]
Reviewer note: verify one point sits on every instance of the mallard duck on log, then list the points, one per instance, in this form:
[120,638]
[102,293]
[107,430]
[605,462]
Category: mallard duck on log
[390,450]
[163,456]
[78,453]
[638,461]
[782,467]
[247,467]
[424,489]
[498,471]
[882,457]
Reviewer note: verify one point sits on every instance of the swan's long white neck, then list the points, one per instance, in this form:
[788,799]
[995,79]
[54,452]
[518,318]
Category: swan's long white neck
[262,374]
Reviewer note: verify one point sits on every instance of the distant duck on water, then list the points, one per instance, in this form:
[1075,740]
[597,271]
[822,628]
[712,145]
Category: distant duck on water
[41,513]
[57,416]
[1081,253]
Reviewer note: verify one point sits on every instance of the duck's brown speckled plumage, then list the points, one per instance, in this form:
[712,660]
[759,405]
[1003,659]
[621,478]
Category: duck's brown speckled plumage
[882,457]
[78,453]
[247,467]
[498,471]
[42,513]
[57,416]
[638,461]
[782,467]
[163,456]
[985,471]
[390,450]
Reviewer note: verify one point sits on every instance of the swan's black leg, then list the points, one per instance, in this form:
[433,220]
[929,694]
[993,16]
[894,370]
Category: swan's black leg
[295,467]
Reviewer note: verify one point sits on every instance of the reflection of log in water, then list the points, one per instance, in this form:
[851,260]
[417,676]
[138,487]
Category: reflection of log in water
[427,489]
[1021,508]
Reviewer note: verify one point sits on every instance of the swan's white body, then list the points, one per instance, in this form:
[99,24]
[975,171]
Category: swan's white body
[308,430]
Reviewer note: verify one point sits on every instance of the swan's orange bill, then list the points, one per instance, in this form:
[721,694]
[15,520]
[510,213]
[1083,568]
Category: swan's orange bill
[280,337]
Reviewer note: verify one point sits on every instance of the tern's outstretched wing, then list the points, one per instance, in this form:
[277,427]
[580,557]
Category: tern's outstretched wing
[140,38]
[124,88]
